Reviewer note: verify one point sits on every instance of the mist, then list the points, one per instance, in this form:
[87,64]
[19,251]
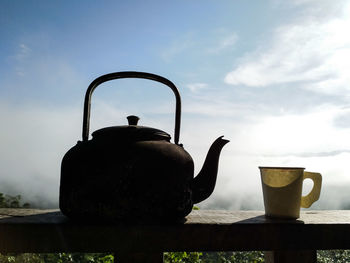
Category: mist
[35,139]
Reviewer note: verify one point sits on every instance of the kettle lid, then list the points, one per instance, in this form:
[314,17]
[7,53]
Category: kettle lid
[131,132]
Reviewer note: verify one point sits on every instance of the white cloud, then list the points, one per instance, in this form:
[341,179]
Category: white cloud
[195,87]
[210,43]
[289,134]
[223,43]
[177,47]
[310,53]
[23,53]
[228,41]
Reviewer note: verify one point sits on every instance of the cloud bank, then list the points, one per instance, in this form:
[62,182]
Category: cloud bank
[312,52]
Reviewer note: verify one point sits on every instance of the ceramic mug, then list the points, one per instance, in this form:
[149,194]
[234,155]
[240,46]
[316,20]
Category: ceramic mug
[282,191]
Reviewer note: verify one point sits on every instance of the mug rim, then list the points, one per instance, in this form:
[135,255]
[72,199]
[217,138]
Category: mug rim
[281,168]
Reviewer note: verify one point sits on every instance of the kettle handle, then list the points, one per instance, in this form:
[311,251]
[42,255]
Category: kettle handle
[130,74]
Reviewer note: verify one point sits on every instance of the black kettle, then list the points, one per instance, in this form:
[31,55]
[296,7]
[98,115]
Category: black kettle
[132,172]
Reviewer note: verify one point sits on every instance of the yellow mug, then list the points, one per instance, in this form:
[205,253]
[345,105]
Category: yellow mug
[282,190]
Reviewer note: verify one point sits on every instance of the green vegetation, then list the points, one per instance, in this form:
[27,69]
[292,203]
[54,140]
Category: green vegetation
[57,258]
[169,257]
[214,257]
[333,256]
[329,256]
[7,201]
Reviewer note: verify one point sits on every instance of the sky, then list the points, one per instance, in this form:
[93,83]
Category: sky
[272,76]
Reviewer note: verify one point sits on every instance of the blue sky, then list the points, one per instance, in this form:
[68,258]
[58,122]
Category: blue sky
[272,76]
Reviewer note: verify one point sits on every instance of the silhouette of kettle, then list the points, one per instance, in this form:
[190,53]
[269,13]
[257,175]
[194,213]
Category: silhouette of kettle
[133,172]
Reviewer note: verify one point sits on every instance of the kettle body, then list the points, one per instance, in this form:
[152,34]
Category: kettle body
[143,180]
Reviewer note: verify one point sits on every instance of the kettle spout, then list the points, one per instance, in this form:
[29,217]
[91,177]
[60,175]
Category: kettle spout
[204,183]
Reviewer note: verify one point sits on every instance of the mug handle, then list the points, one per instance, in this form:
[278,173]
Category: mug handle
[314,195]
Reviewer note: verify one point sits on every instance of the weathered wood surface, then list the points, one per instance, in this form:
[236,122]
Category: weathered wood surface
[27,230]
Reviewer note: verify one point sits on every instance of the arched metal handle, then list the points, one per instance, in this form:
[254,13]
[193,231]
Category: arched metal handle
[130,74]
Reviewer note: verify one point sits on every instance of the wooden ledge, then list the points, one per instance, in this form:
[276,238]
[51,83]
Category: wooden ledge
[29,230]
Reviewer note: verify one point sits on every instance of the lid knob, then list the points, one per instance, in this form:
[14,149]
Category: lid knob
[133,120]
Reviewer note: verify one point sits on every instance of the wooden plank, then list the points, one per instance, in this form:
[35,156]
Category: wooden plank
[221,217]
[27,230]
